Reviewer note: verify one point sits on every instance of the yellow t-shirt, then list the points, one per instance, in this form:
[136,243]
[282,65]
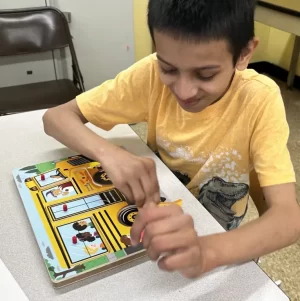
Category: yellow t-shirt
[211,152]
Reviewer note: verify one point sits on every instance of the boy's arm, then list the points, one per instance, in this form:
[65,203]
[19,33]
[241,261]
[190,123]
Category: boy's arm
[122,100]
[170,231]
[279,227]
[66,124]
[169,235]
[135,177]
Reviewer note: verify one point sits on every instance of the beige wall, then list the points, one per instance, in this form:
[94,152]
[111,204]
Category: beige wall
[276,46]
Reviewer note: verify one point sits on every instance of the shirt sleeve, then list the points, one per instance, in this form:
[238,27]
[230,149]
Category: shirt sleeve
[122,100]
[268,147]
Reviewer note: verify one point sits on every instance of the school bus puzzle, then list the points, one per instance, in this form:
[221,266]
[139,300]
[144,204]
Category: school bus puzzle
[81,222]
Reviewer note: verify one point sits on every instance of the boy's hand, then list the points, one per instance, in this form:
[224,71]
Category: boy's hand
[134,176]
[169,235]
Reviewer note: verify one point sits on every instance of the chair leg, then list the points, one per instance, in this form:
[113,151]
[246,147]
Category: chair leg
[294,62]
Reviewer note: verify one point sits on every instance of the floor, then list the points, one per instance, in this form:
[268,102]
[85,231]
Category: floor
[283,265]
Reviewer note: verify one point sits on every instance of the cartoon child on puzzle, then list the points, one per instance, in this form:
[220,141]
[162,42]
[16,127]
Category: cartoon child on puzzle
[92,249]
[63,190]
[126,240]
[58,176]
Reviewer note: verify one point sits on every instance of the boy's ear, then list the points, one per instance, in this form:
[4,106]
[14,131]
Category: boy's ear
[246,55]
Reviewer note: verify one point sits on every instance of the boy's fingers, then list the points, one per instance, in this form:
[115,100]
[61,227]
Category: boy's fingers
[148,191]
[182,260]
[162,244]
[157,197]
[148,215]
[151,191]
[155,189]
[161,227]
[125,189]
[138,193]
[152,201]
[150,186]
[169,242]
[153,181]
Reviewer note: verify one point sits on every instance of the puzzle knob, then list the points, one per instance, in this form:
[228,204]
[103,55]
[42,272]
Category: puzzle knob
[65,207]
[74,240]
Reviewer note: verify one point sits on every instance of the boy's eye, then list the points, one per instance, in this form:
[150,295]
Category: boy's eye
[168,71]
[205,78]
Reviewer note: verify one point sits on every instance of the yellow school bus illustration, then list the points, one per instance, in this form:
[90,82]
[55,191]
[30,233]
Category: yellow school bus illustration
[81,210]
[81,221]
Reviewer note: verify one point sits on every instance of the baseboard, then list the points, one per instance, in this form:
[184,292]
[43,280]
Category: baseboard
[281,9]
[274,71]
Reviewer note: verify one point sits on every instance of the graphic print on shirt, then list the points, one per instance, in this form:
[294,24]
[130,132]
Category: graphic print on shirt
[219,197]
[183,178]
[219,181]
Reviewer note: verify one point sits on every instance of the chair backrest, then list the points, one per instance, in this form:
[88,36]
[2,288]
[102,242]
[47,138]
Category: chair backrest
[33,30]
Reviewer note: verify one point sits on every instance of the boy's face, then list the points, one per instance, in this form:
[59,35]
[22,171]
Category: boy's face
[198,74]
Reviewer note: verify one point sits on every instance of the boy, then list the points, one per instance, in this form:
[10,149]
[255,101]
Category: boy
[217,125]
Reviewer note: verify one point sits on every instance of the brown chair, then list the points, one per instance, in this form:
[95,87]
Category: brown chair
[36,30]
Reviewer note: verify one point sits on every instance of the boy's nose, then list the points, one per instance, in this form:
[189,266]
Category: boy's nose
[185,89]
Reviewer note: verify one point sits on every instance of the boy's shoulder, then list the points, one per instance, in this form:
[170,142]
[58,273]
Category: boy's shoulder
[252,82]
[144,70]
[258,89]
[257,80]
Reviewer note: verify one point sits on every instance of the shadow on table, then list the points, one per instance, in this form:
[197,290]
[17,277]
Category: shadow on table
[100,276]
[226,284]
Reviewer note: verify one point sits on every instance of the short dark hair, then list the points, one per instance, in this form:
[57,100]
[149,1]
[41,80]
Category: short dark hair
[205,20]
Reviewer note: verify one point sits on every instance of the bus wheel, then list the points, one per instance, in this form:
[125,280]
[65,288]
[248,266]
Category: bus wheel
[127,215]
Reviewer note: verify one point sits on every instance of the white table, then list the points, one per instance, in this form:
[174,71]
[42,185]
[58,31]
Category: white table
[8,285]
[23,142]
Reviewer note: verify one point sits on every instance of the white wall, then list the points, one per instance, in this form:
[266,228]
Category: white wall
[8,4]
[103,32]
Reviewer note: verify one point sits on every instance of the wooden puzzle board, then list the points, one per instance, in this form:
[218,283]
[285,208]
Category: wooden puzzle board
[80,220]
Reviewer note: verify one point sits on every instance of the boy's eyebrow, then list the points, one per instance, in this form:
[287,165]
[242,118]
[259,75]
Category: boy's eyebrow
[199,68]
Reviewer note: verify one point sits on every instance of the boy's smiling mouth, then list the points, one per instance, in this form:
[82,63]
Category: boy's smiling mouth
[188,102]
